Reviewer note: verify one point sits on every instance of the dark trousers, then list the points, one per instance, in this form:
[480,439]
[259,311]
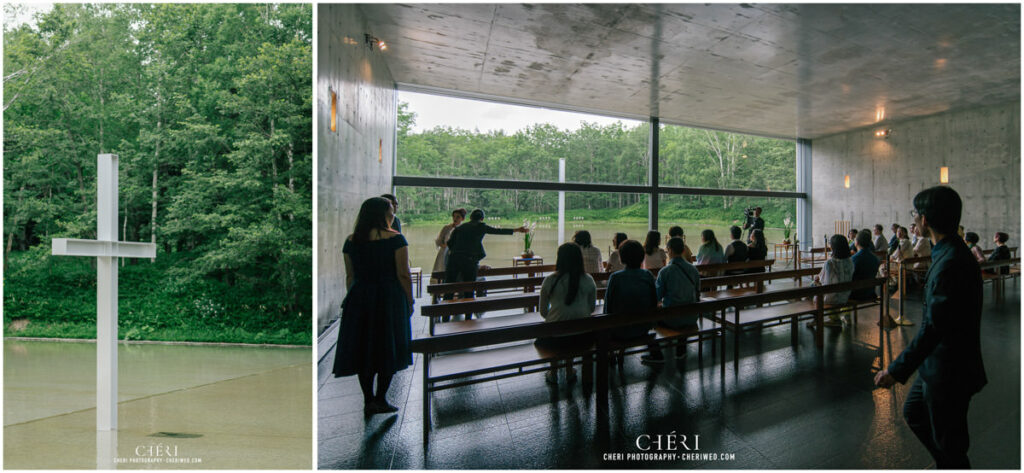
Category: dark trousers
[461,269]
[939,419]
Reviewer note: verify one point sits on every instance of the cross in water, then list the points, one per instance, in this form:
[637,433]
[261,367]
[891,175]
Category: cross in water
[107,250]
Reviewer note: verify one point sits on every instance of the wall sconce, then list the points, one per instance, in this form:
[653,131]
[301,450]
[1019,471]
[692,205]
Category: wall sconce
[944,175]
[334,111]
[883,133]
[846,181]
[372,40]
[380,151]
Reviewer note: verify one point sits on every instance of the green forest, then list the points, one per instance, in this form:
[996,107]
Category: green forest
[209,108]
[609,154]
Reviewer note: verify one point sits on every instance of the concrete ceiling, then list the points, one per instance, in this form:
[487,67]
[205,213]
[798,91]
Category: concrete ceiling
[795,70]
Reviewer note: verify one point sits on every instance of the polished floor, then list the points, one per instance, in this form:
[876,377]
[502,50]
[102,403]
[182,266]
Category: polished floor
[783,408]
[189,407]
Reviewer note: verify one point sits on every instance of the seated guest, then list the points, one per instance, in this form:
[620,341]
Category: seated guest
[757,251]
[913,234]
[894,242]
[614,263]
[631,291]
[591,254]
[1002,252]
[972,240]
[851,237]
[710,251]
[676,231]
[880,243]
[678,284]
[865,264]
[837,269]
[923,247]
[654,256]
[903,251]
[736,250]
[568,293]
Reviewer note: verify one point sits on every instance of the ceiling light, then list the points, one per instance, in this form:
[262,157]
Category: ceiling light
[880,114]
[372,40]
[883,133]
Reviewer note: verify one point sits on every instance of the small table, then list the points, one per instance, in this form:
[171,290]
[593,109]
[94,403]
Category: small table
[417,280]
[790,251]
[533,260]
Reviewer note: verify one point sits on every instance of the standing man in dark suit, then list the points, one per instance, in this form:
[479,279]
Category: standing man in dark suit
[946,352]
[397,224]
[466,248]
[754,222]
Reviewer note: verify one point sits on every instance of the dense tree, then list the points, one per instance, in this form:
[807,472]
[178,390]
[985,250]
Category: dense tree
[615,154]
[209,108]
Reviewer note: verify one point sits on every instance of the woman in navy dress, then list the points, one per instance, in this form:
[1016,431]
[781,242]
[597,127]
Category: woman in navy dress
[375,329]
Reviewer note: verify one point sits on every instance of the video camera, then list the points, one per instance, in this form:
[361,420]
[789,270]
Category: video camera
[749,212]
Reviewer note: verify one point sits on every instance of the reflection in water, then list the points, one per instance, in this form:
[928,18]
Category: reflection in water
[501,248]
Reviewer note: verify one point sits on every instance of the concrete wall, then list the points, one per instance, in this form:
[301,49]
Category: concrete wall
[980,146]
[354,162]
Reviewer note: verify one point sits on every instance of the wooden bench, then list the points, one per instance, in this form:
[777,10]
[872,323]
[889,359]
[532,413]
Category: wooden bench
[445,309]
[504,271]
[484,359]
[998,279]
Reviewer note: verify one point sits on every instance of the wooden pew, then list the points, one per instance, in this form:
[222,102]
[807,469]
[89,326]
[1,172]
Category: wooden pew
[504,271]
[529,301]
[998,279]
[490,363]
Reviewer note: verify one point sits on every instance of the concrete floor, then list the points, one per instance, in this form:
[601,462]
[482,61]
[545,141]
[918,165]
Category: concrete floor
[228,407]
[783,408]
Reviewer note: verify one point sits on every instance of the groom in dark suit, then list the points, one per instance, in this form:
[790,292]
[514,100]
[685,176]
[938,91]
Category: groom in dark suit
[466,248]
[946,353]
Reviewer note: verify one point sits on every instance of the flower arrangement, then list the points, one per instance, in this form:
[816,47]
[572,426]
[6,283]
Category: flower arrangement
[787,227]
[528,238]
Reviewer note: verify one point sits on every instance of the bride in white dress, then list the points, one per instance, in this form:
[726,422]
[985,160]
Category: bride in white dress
[441,242]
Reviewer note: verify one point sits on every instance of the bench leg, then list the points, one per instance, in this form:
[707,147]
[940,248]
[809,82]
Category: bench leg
[601,378]
[426,397]
[819,329]
[721,349]
[736,342]
[794,326]
[700,348]
[588,371]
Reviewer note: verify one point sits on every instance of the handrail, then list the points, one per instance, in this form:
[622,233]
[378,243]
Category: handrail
[530,331]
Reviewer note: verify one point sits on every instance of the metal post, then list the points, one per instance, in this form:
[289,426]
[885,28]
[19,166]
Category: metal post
[652,151]
[561,203]
[804,222]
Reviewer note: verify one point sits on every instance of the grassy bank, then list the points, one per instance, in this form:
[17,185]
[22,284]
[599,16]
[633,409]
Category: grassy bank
[55,297]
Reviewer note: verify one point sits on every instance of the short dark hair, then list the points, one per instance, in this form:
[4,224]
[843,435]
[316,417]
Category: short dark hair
[675,231]
[676,245]
[840,247]
[735,232]
[582,238]
[878,226]
[1002,237]
[476,215]
[391,198]
[631,252]
[942,206]
[854,232]
[972,237]
[460,211]
[864,240]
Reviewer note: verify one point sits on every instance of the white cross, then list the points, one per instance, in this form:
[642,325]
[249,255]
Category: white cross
[107,250]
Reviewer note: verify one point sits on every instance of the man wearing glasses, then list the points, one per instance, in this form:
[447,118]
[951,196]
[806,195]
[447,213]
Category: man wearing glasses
[946,352]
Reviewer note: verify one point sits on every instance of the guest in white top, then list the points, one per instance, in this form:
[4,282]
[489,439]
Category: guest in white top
[614,262]
[591,254]
[654,256]
[441,242]
[923,247]
[837,269]
[568,293]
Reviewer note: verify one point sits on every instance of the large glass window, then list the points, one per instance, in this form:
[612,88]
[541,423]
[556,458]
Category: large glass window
[450,137]
[693,157]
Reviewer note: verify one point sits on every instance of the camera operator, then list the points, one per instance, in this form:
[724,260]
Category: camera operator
[754,220]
